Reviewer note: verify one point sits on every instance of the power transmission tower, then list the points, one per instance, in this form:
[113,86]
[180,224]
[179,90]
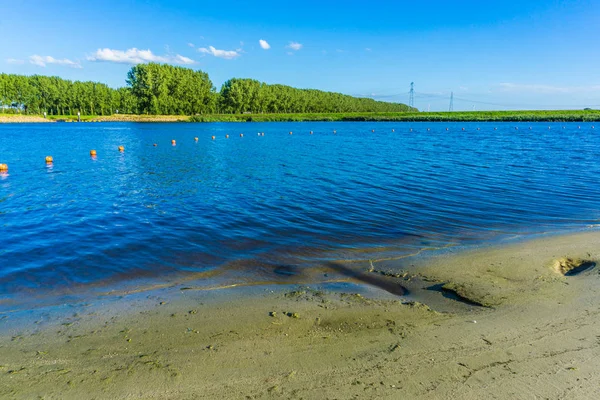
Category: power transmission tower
[411,95]
[451,102]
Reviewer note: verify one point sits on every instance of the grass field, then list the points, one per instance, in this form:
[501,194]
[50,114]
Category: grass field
[459,116]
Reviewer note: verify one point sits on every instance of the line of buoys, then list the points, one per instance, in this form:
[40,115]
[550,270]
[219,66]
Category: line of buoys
[49,160]
[121,149]
[3,167]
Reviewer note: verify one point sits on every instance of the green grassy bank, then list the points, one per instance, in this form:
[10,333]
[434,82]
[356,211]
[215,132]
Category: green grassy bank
[475,116]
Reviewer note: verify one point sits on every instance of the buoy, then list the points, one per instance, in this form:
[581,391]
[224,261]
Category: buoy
[226,136]
[121,149]
[49,160]
[213,138]
[579,127]
[428,129]
[196,139]
[477,128]
[373,130]
[262,134]
[495,129]
[463,129]
[93,153]
[393,130]
[334,132]
[311,132]
[173,142]
[258,133]
[290,132]
[241,135]
[548,128]
[3,167]
[411,129]
[155,145]
[529,128]
[516,128]
[593,127]
[447,129]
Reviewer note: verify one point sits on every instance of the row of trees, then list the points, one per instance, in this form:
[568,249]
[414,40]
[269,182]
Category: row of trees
[165,89]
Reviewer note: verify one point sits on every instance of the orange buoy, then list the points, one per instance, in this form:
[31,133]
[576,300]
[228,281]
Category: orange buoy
[3,167]
[121,149]
[195,139]
[213,138]
[154,145]
[173,142]
[93,153]
[49,160]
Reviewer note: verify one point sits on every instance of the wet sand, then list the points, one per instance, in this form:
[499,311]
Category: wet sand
[497,322]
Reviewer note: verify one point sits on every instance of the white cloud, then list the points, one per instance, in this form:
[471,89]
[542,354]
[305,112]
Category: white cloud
[135,56]
[294,46]
[264,44]
[191,44]
[546,89]
[15,61]
[226,54]
[42,61]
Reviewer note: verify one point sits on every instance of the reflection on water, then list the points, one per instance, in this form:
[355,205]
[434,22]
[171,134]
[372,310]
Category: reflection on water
[278,207]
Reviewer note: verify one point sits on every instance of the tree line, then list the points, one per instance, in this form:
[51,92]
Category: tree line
[163,89]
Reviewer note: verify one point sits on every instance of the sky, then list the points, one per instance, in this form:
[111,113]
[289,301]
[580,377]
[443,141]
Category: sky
[492,55]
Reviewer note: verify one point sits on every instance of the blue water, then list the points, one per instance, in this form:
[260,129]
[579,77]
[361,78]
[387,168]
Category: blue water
[242,207]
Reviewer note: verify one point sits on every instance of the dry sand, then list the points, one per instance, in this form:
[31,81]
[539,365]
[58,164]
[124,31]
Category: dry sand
[14,118]
[535,334]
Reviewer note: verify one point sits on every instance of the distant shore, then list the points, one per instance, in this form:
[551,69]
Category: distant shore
[475,116]
[511,321]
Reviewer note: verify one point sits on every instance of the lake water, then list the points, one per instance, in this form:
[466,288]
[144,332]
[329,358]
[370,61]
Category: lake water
[262,208]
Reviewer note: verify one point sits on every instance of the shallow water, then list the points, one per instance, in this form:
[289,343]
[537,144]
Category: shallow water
[267,208]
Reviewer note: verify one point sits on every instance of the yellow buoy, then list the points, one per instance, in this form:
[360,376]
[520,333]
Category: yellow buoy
[92,153]
[173,142]
[121,149]
[195,139]
[3,167]
[49,160]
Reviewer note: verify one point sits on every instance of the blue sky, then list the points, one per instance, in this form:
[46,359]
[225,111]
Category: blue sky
[507,54]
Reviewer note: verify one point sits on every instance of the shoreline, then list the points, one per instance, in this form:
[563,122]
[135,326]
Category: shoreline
[505,323]
[477,116]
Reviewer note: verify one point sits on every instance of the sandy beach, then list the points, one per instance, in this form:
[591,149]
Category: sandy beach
[497,322]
